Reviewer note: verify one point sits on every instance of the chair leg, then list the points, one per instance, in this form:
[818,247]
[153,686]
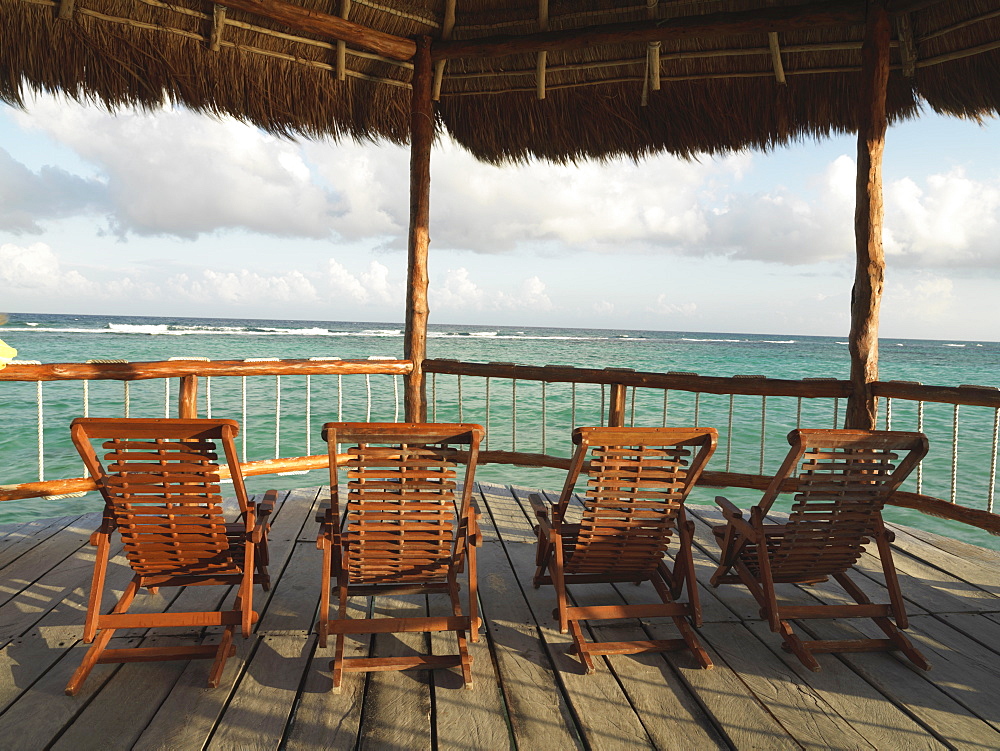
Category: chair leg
[89,661]
[244,599]
[662,586]
[890,629]
[889,572]
[473,595]
[580,646]
[102,635]
[96,588]
[456,610]
[543,558]
[323,626]
[686,575]
[337,664]
[466,658]
[795,645]
[226,649]
[556,567]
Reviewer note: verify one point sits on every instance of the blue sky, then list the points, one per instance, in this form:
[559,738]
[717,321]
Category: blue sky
[178,214]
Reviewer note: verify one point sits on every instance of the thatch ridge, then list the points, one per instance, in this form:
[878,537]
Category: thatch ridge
[717,92]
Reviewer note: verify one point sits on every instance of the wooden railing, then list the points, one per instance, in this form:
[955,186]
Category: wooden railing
[752,414]
[191,374]
[778,407]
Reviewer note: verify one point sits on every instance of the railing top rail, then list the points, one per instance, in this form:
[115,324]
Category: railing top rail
[757,386]
[973,396]
[135,371]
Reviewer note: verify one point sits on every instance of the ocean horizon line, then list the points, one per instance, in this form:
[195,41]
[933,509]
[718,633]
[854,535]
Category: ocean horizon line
[181,326]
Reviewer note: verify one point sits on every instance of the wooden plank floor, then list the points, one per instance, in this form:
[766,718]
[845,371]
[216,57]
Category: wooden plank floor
[528,694]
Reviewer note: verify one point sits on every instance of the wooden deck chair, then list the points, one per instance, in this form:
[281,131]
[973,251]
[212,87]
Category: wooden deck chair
[401,533]
[160,483]
[846,477]
[637,480]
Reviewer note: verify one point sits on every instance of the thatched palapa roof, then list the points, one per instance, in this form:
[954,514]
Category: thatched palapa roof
[514,79]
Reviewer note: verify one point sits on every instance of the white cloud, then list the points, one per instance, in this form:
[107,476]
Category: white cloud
[533,295]
[36,267]
[244,287]
[457,291]
[929,299]
[175,172]
[781,226]
[601,207]
[343,283]
[952,220]
[371,286]
[369,188]
[27,198]
[665,306]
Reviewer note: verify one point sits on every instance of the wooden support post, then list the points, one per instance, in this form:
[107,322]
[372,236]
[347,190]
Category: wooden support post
[616,409]
[421,136]
[187,406]
[866,296]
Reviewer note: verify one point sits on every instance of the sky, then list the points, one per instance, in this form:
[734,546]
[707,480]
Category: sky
[179,214]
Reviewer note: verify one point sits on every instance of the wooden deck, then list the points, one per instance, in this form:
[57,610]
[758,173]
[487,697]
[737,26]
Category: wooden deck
[529,693]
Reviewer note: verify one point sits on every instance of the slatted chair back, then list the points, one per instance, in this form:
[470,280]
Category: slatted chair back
[403,509]
[845,479]
[637,480]
[160,481]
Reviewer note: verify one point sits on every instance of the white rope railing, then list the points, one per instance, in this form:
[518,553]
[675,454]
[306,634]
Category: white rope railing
[340,402]
[55,455]
[954,457]
[763,419]
[244,423]
[434,397]
[993,461]
[572,409]
[729,427]
[487,414]
[395,389]
[513,414]
[920,429]
[544,405]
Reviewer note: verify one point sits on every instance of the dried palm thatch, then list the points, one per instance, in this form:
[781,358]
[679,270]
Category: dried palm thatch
[515,79]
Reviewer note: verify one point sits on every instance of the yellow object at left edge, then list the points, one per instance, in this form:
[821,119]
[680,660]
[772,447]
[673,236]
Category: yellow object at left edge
[7,353]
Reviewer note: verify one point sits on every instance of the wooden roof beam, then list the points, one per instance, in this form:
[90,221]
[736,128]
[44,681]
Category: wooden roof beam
[773,19]
[299,18]
[779,68]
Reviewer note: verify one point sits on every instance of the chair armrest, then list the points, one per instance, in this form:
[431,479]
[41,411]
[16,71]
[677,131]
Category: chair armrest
[262,512]
[734,515]
[106,528]
[266,506]
[329,529]
[729,509]
[544,526]
[475,533]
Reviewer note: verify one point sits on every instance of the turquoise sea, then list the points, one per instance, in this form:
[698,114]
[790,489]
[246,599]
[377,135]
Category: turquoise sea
[69,338]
